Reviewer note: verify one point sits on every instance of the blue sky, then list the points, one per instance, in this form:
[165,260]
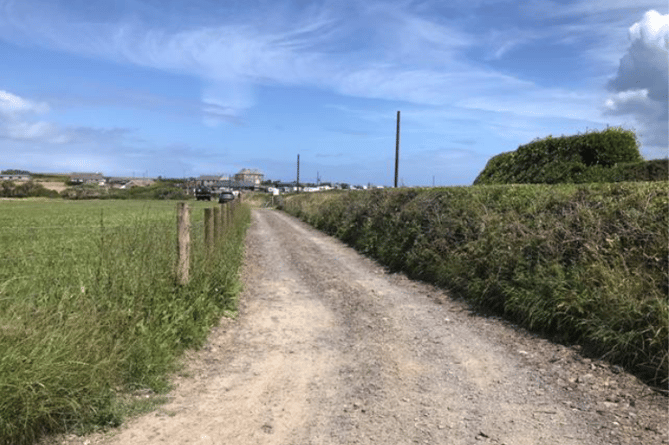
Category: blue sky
[175,88]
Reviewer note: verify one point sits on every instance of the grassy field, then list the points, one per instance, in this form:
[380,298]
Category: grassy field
[585,264]
[89,308]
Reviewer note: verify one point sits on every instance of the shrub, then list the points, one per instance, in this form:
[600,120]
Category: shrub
[159,190]
[29,189]
[591,157]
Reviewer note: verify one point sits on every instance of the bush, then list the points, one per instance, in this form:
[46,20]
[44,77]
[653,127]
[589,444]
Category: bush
[653,170]
[85,191]
[29,189]
[611,155]
[158,190]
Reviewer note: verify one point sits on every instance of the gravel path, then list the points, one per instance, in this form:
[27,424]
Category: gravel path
[330,349]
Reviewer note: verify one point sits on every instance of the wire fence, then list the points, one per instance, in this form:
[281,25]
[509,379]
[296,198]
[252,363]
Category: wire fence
[10,252]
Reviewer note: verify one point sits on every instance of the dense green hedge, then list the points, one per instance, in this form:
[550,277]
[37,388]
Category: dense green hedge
[611,155]
[158,190]
[585,263]
[653,170]
[29,189]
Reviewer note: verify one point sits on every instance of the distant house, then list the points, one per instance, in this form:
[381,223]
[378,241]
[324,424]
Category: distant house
[242,185]
[87,178]
[213,181]
[286,187]
[138,183]
[117,181]
[17,177]
[250,176]
[121,182]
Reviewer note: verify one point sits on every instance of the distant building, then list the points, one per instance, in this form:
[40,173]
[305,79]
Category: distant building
[249,176]
[138,183]
[87,178]
[209,180]
[212,181]
[121,182]
[17,177]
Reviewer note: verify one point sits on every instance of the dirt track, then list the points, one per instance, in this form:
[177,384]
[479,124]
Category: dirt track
[329,349]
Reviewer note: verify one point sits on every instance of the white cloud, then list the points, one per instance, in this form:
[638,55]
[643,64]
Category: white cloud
[642,82]
[653,30]
[627,101]
[34,131]
[17,123]
[11,105]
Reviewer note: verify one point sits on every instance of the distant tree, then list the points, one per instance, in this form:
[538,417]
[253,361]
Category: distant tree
[6,188]
[15,172]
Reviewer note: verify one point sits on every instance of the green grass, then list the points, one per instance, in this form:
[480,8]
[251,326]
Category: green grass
[89,308]
[587,264]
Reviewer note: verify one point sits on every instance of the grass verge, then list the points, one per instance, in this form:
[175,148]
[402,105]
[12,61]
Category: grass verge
[89,308]
[586,264]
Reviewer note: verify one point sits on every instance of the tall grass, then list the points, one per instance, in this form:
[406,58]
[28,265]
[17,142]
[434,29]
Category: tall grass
[583,263]
[89,308]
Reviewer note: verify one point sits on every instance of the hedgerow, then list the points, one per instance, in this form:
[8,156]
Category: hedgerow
[611,155]
[585,264]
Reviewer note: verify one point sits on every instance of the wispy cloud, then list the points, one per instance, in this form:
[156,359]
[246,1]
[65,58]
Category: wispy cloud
[407,62]
[12,105]
[502,41]
[596,26]
[18,122]
[407,55]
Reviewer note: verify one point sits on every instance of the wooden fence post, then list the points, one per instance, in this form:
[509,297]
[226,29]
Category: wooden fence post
[228,211]
[218,224]
[209,229]
[224,216]
[183,243]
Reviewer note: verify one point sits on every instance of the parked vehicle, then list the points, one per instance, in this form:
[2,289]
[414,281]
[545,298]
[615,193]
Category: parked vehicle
[226,196]
[203,194]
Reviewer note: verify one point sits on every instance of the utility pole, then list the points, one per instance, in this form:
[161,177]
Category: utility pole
[397,148]
[298,173]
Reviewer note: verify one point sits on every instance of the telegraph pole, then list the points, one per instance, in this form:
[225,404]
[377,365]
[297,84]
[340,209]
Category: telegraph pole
[298,173]
[397,148]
